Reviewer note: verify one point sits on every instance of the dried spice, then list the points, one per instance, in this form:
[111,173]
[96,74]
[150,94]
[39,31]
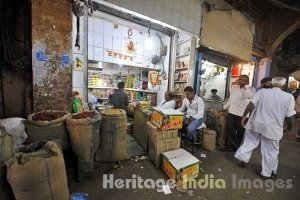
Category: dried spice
[48,115]
[83,115]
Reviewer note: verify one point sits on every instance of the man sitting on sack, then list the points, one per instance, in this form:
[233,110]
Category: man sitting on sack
[169,102]
[194,107]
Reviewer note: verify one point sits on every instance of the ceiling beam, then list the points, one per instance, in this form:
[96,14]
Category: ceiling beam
[284,34]
[254,9]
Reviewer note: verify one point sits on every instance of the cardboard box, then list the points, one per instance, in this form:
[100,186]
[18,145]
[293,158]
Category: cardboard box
[160,146]
[180,166]
[166,119]
[156,134]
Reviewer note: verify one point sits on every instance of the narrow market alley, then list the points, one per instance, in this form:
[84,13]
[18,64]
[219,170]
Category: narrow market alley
[149,99]
[221,165]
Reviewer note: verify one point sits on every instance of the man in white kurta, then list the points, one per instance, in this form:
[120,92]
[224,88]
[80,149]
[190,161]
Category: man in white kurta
[169,102]
[269,109]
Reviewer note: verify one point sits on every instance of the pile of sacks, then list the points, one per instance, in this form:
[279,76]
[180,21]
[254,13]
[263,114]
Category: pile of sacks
[34,171]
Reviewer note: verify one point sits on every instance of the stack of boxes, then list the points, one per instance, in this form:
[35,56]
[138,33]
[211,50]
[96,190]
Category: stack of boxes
[161,141]
[164,146]
[163,133]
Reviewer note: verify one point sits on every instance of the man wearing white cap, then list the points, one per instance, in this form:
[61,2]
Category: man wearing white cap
[269,109]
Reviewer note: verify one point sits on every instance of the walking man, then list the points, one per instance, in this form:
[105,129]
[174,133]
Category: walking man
[269,109]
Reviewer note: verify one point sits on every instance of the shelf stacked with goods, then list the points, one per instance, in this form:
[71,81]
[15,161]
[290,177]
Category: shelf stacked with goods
[184,65]
[119,47]
[104,81]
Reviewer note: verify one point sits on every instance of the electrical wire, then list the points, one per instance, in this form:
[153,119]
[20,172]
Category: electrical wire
[291,3]
[283,5]
[162,58]
[271,24]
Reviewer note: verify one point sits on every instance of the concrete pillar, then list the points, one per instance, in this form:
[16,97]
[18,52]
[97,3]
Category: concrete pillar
[263,71]
[51,54]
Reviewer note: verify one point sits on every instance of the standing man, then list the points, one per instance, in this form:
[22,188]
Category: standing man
[239,98]
[194,107]
[270,108]
[297,118]
[120,98]
[265,83]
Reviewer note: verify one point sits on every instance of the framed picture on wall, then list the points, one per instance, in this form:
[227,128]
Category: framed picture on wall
[78,64]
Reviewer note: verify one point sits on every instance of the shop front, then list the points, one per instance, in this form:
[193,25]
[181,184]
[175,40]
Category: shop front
[149,56]
[135,46]
[214,77]
[224,52]
[119,50]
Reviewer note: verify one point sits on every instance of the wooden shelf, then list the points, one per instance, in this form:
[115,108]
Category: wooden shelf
[130,89]
[183,68]
[97,87]
[183,55]
[178,94]
[95,68]
[180,81]
[108,63]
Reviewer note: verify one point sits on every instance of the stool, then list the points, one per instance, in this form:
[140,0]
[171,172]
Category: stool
[199,132]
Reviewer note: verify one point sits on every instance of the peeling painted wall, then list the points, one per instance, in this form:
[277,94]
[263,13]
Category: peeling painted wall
[228,31]
[51,52]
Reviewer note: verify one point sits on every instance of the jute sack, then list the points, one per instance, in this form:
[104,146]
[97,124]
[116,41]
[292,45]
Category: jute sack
[6,152]
[113,145]
[38,172]
[216,121]
[6,147]
[84,135]
[221,129]
[54,130]
[209,139]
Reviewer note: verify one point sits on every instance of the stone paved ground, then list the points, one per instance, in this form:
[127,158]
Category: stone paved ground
[221,165]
